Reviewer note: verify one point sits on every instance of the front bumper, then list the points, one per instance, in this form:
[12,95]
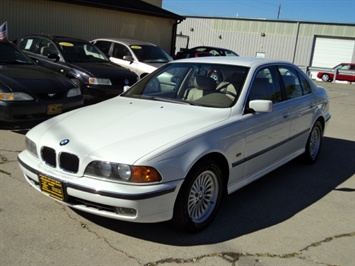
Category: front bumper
[19,114]
[152,203]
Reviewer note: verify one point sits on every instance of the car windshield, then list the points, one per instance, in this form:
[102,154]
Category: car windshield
[210,85]
[81,52]
[9,54]
[150,54]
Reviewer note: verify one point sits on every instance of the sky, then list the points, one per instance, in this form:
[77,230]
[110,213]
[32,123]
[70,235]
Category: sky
[337,11]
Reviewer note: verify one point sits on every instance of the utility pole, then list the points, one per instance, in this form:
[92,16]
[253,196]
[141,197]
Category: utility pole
[278,13]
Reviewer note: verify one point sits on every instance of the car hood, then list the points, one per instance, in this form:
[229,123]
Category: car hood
[102,70]
[125,129]
[32,78]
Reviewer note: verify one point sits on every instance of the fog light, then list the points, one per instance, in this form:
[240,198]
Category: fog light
[125,211]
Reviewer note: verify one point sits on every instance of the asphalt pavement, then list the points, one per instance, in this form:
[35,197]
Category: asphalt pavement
[297,215]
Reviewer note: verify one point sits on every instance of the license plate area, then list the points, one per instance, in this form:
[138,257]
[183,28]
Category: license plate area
[51,187]
[53,109]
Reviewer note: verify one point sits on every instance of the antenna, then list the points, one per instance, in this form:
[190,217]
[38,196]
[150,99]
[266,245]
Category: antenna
[278,13]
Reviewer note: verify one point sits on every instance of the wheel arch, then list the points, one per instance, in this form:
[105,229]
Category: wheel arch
[222,162]
[321,119]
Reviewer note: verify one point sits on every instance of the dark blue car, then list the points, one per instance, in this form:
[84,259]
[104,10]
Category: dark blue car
[29,93]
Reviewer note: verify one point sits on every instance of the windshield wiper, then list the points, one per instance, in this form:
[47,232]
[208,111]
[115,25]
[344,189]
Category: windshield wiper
[162,99]
[170,100]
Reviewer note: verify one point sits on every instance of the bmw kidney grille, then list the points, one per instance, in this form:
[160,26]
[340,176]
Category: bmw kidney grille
[67,161]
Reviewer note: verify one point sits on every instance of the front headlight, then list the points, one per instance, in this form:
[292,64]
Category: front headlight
[73,92]
[99,81]
[15,96]
[31,147]
[122,172]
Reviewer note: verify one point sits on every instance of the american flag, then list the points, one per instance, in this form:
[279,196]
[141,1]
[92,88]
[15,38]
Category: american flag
[3,31]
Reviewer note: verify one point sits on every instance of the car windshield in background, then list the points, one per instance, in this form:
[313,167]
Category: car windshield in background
[210,85]
[81,52]
[150,54]
[10,55]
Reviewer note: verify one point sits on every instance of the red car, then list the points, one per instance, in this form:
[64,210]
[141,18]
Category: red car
[325,76]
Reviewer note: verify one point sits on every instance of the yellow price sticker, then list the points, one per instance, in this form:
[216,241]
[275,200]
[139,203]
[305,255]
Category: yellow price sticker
[68,44]
[136,47]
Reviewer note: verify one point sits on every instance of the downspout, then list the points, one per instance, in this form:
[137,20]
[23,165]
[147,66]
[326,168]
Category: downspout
[296,41]
[173,38]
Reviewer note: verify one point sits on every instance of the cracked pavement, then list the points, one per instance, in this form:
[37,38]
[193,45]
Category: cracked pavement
[296,215]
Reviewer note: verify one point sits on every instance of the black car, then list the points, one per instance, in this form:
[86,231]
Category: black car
[80,61]
[195,52]
[29,93]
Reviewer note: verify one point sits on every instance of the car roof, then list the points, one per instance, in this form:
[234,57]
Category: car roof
[125,41]
[56,37]
[231,60]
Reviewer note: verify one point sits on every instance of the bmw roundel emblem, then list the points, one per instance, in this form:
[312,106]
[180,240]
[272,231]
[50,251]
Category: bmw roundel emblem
[126,81]
[64,142]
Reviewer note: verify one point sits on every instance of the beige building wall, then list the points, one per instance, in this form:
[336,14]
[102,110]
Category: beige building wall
[286,40]
[57,18]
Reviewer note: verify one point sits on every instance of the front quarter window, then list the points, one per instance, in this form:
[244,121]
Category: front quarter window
[265,86]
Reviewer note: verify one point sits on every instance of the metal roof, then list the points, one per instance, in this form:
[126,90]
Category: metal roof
[132,6]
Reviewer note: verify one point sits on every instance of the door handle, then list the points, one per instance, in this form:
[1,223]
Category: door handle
[285,114]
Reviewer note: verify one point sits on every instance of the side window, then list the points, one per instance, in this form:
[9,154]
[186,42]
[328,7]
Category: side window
[306,87]
[119,51]
[344,67]
[28,44]
[46,47]
[104,47]
[266,86]
[291,82]
[294,83]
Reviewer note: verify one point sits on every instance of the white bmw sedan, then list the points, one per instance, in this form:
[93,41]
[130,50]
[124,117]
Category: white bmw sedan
[177,141]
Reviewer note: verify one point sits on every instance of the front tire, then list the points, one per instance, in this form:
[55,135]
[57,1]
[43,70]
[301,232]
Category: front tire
[314,143]
[199,197]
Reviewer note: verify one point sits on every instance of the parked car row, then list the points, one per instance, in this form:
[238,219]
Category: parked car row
[99,70]
[80,61]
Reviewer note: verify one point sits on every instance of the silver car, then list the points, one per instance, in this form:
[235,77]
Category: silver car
[177,141]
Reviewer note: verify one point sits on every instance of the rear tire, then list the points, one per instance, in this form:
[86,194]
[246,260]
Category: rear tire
[325,77]
[314,143]
[199,197]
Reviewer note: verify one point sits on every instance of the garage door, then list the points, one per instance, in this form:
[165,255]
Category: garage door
[328,52]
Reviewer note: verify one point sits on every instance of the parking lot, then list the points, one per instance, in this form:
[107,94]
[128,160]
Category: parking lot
[297,215]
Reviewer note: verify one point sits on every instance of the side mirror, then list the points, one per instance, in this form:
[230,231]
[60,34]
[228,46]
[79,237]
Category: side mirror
[128,58]
[126,88]
[261,106]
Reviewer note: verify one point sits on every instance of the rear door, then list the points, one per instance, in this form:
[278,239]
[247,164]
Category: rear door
[105,47]
[301,105]
[39,49]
